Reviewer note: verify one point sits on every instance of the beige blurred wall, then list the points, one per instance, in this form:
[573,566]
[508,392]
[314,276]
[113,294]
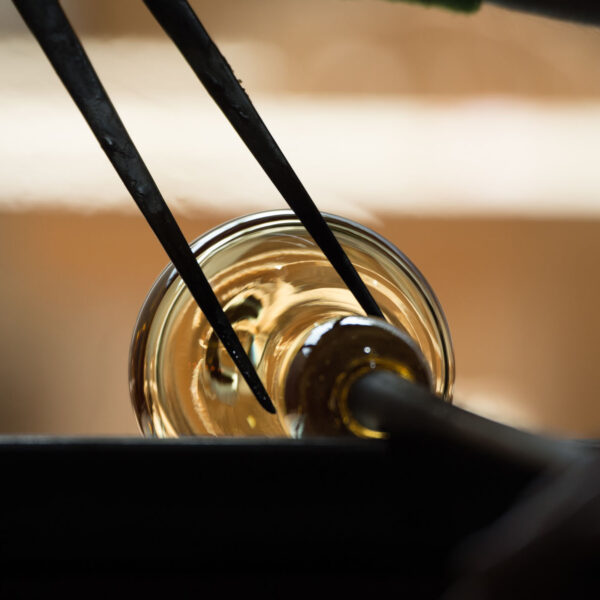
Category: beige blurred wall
[374,46]
[520,292]
[521,298]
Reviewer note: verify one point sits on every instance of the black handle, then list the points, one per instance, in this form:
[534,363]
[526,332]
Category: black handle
[582,11]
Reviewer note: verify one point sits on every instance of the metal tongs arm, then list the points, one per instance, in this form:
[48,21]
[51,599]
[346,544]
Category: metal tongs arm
[49,24]
[187,32]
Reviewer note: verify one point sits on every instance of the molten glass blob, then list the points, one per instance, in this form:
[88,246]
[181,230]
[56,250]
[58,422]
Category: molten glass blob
[276,287]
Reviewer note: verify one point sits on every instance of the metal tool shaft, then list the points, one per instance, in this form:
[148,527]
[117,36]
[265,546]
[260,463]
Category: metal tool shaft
[384,401]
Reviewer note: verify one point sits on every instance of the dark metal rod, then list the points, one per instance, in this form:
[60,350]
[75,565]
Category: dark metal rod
[582,11]
[384,401]
[181,24]
[50,26]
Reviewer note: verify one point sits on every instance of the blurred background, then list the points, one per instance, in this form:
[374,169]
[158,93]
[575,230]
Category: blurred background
[471,142]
